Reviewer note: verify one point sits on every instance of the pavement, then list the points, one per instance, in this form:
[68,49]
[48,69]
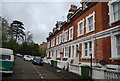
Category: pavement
[68,76]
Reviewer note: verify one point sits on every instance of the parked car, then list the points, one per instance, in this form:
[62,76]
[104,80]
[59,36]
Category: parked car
[19,55]
[32,58]
[27,57]
[37,60]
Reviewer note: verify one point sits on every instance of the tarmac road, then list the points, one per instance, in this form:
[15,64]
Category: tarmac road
[25,70]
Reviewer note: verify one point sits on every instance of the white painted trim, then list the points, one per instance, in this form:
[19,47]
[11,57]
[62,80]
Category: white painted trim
[90,15]
[48,44]
[117,67]
[99,35]
[6,71]
[78,31]
[64,56]
[57,40]
[111,20]
[65,40]
[58,53]
[114,55]
[12,60]
[71,38]
[72,52]
[83,53]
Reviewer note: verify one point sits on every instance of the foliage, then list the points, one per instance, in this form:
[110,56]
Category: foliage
[11,45]
[14,32]
[29,49]
[17,29]
[6,31]
[42,51]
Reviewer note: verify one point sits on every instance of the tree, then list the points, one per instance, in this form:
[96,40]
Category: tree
[18,30]
[42,49]
[28,37]
[6,31]
[42,52]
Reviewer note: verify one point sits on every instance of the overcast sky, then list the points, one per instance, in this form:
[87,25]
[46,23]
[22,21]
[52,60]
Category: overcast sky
[38,17]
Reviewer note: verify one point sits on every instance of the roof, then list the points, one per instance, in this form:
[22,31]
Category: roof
[6,51]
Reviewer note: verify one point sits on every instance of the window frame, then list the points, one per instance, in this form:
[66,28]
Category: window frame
[63,36]
[66,36]
[53,42]
[48,44]
[88,52]
[111,19]
[54,53]
[82,29]
[51,53]
[73,49]
[60,39]
[114,55]
[71,36]
[66,52]
[77,48]
[57,40]
[87,22]
[58,53]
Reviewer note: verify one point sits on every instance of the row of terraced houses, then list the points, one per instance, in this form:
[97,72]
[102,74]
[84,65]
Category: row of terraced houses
[93,29]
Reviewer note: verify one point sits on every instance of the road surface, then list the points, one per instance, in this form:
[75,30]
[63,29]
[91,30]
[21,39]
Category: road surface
[27,71]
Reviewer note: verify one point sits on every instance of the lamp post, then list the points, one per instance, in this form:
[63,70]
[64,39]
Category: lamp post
[91,66]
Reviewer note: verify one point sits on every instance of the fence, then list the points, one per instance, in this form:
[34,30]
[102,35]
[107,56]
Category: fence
[98,73]
[113,75]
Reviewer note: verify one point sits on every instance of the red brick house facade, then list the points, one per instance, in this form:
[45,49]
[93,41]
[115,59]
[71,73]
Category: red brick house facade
[93,29]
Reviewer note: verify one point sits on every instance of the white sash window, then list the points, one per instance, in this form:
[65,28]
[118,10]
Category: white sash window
[90,22]
[114,11]
[115,47]
[81,27]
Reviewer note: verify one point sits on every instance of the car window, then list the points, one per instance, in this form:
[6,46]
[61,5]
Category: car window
[37,57]
[5,57]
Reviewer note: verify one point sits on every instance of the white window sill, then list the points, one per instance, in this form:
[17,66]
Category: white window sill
[70,39]
[65,41]
[80,35]
[65,57]
[114,21]
[86,58]
[57,57]
[89,31]
[115,58]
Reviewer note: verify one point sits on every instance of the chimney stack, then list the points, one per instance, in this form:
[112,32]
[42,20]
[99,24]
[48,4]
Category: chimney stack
[72,10]
[58,24]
